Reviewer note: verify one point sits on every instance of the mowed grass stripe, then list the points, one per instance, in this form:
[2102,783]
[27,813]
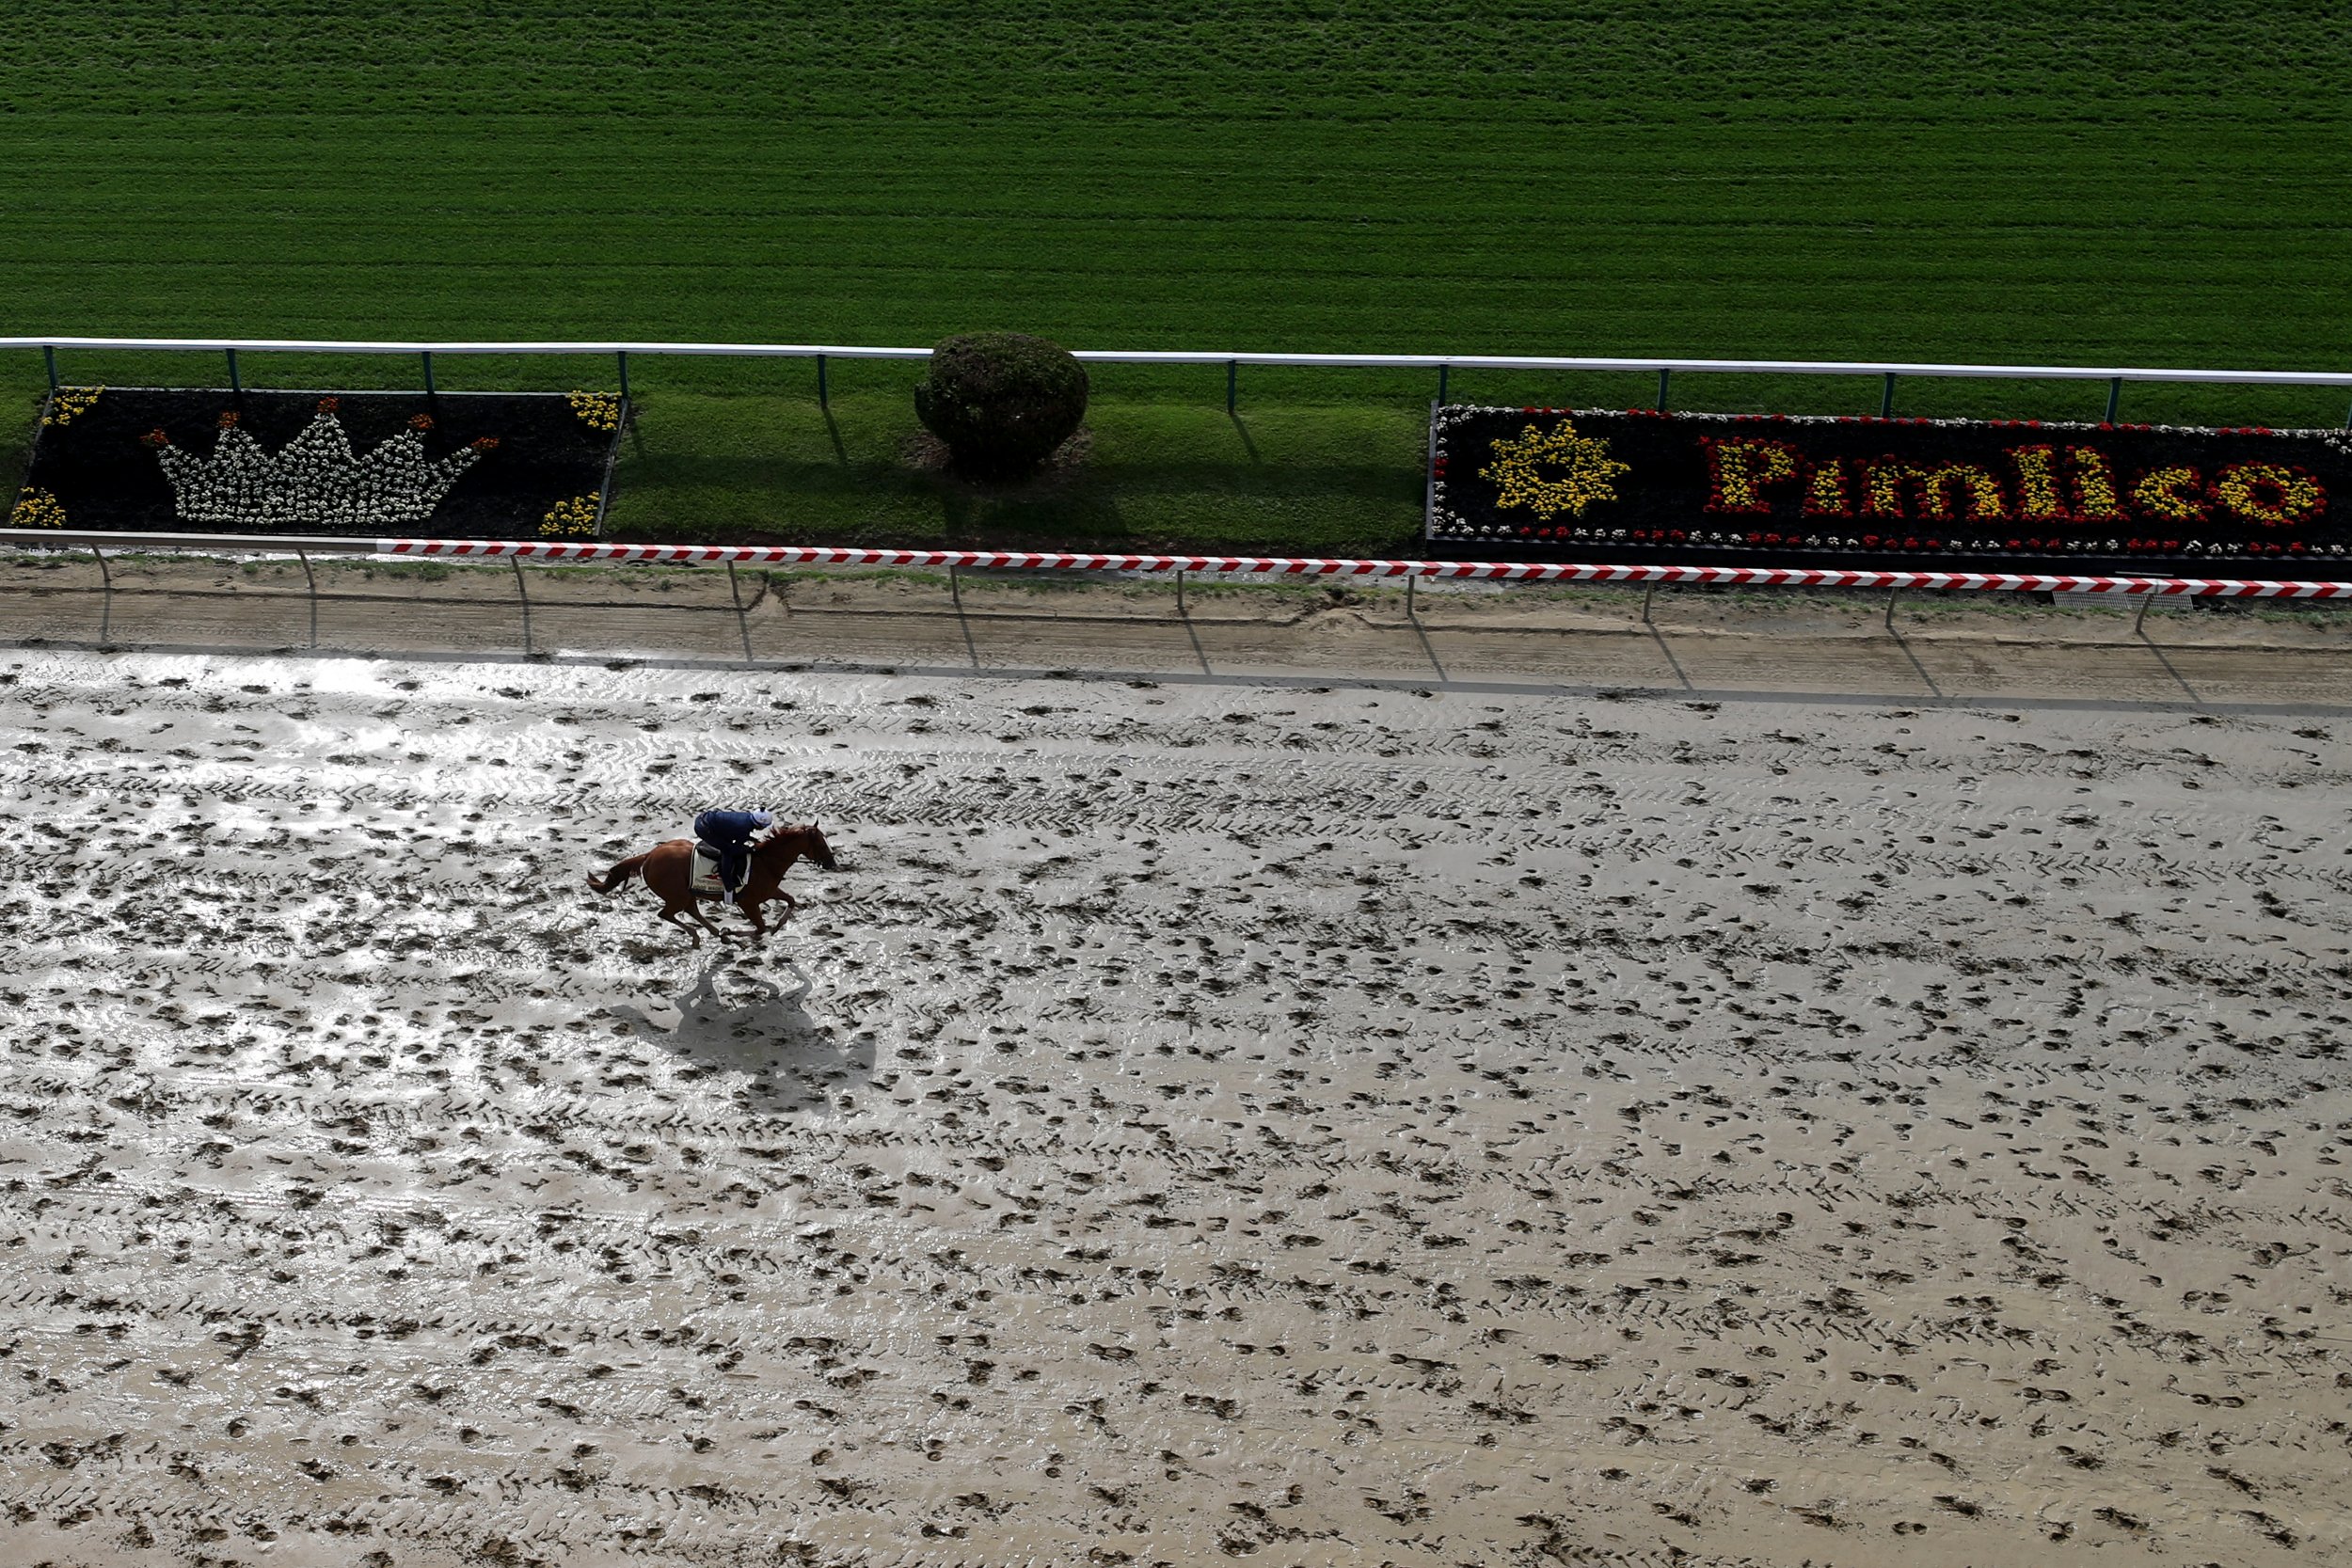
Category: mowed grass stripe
[928,264]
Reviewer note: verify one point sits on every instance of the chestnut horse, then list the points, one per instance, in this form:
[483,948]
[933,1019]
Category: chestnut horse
[669,870]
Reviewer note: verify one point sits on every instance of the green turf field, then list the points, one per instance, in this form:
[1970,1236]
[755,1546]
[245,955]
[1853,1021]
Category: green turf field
[2120,184]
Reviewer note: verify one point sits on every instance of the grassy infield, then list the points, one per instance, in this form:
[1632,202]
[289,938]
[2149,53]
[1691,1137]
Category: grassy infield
[1991,181]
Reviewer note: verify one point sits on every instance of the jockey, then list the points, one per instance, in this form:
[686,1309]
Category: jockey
[729,832]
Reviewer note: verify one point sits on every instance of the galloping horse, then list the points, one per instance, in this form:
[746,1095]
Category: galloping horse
[669,870]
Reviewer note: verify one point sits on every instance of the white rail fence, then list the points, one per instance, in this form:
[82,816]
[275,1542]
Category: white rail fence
[1889,370]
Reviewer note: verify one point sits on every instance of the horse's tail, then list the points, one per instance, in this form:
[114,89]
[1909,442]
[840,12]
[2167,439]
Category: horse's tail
[619,874]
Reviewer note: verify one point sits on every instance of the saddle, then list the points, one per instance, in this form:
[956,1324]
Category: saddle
[706,884]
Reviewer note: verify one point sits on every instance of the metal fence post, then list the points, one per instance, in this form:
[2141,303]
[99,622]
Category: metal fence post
[955,587]
[2115,396]
[2143,614]
[429,389]
[236,382]
[104,576]
[825,399]
[1412,580]
[1665,374]
[1232,376]
[1886,398]
[1179,592]
[622,357]
[1649,595]
[50,355]
[522,595]
[309,574]
[1892,594]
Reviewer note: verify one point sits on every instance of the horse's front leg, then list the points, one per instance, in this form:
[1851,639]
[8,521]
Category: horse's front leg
[694,914]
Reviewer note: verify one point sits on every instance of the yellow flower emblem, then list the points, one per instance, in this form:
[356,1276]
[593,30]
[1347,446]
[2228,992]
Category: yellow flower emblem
[1553,471]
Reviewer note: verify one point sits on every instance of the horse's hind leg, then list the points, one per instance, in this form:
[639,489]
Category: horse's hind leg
[671,913]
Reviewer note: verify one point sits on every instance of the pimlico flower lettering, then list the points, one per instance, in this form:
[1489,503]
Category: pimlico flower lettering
[1555,480]
[2036,484]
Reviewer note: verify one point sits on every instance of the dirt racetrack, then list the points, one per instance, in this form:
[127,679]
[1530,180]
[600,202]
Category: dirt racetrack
[1788,1113]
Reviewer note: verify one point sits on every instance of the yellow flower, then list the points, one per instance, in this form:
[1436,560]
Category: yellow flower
[597,410]
[37,509]
[68,401]
[1583,461]
[572,519]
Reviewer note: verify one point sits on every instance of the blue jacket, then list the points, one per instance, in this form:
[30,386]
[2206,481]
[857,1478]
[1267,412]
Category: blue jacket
[731,827]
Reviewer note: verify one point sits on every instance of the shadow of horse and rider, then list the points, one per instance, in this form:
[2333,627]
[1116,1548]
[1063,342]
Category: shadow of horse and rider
[758,1027]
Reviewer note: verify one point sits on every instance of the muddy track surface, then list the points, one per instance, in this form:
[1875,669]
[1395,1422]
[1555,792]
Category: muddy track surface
[1200,1122]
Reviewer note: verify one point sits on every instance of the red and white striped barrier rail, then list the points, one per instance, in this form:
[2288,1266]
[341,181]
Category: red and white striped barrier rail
[1207,566]
[1287,566]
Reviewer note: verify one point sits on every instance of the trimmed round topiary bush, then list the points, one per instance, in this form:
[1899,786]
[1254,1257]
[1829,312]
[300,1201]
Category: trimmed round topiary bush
[1001,401]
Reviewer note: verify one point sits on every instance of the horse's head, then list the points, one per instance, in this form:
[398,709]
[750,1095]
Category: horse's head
[803,839]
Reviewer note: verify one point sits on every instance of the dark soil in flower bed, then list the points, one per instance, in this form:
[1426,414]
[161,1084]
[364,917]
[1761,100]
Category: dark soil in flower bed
[1946,495]
[457,466]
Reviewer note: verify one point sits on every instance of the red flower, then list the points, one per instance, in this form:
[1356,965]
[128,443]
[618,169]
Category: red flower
[329,405]
[485,443]
[227,418]
[420,421]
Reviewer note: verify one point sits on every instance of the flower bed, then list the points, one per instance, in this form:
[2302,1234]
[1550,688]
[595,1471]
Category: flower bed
[1548,484]
[470,464]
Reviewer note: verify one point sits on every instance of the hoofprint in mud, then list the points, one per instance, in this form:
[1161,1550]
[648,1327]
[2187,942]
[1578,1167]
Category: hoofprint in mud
[1352,1126]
